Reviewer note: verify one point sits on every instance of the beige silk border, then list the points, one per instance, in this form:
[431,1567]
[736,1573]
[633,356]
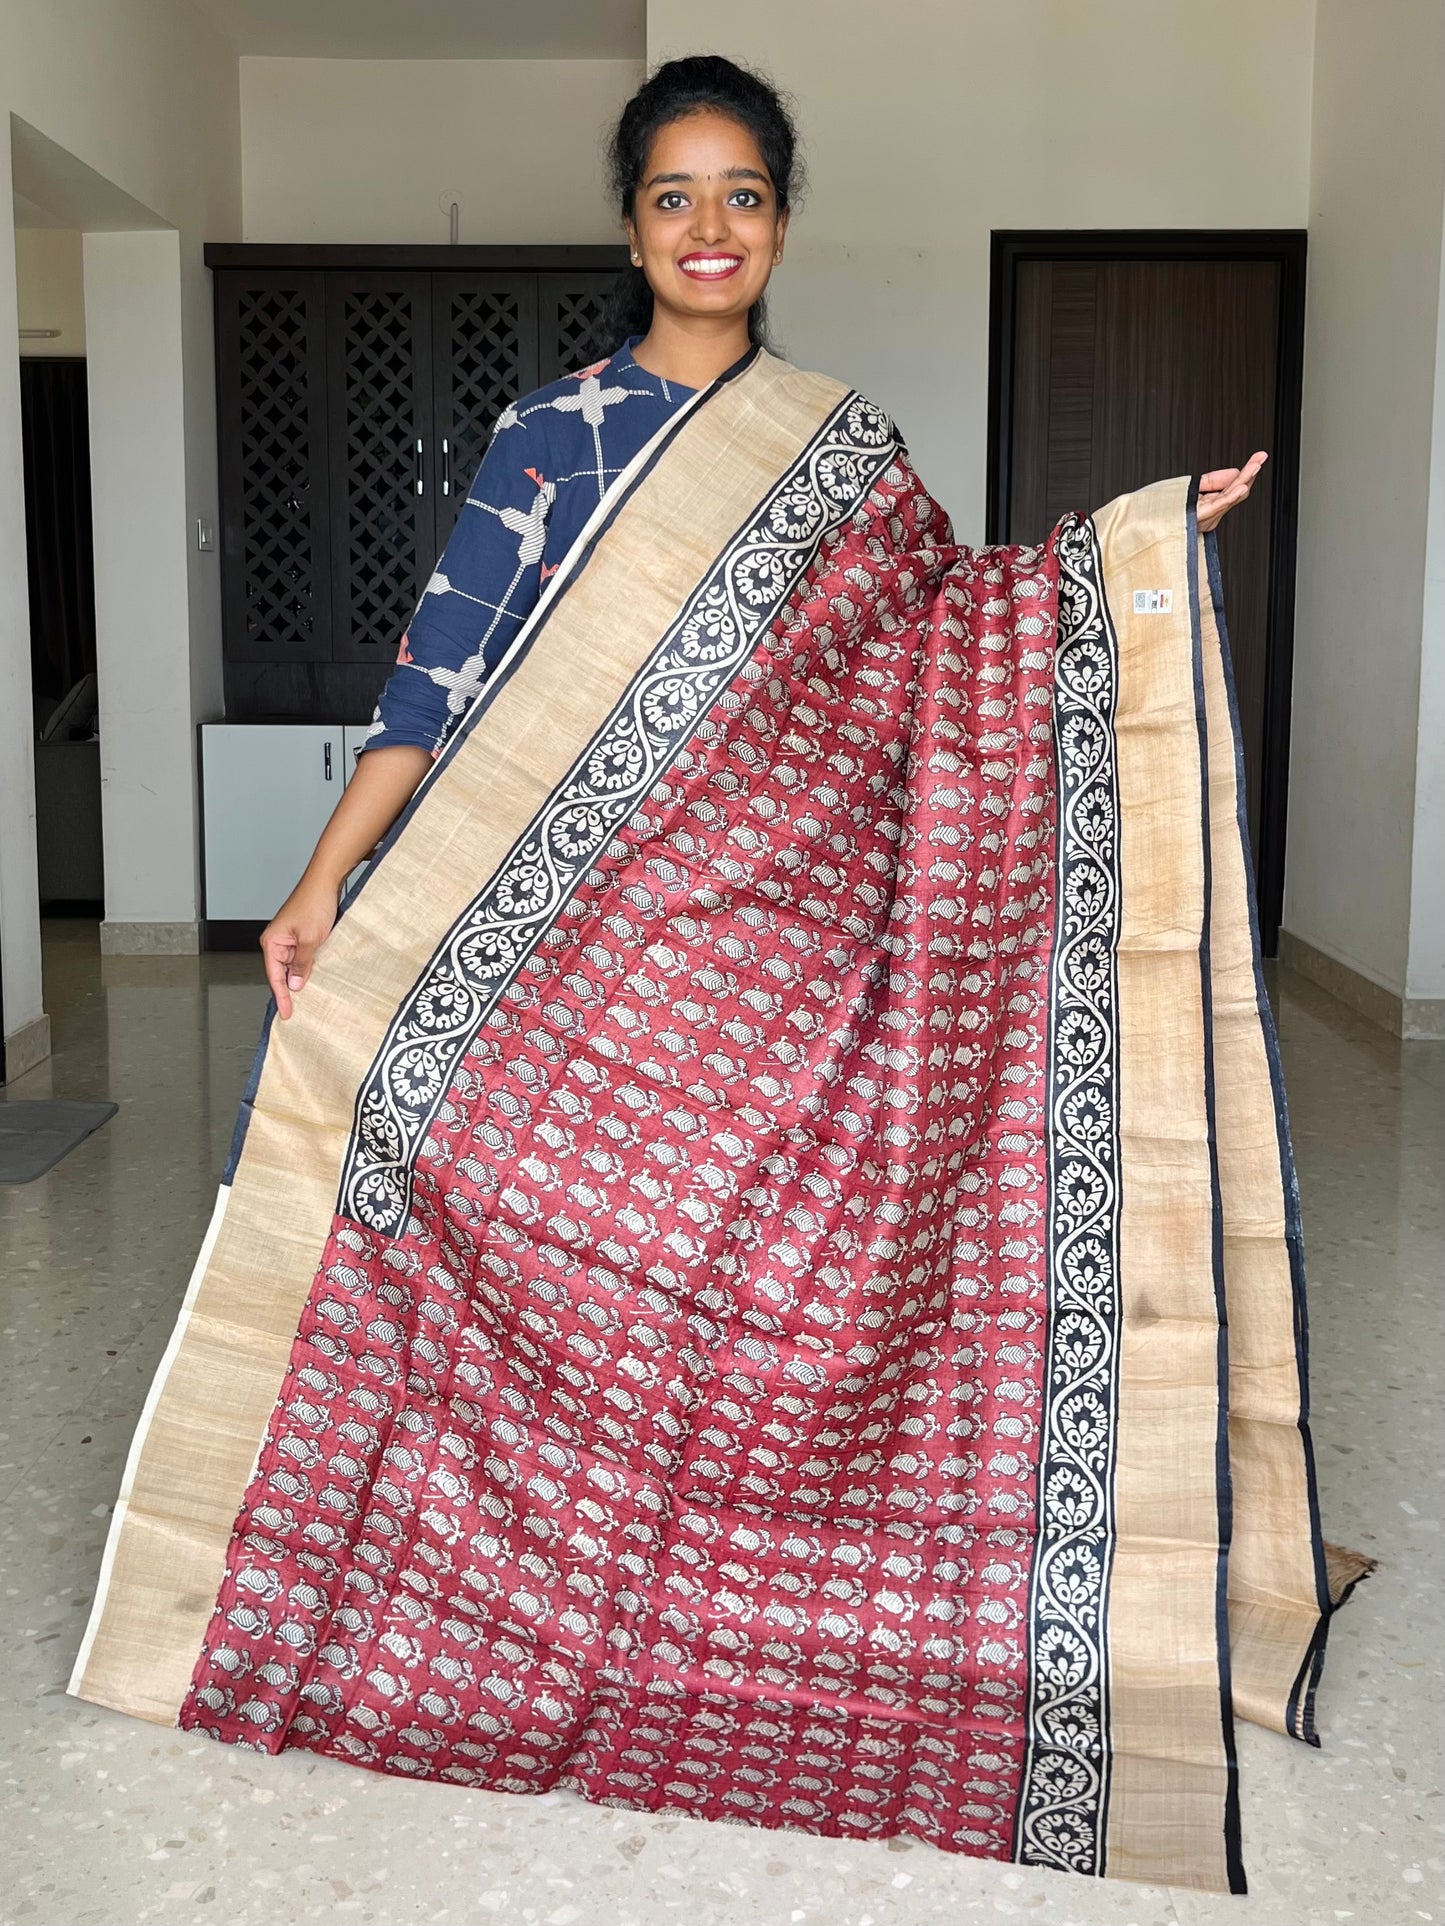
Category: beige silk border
[206,1416]
[1275,1601]
[1169,1781]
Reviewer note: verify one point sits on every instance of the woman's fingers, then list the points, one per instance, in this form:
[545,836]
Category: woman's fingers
[289,957]
[300,966]
[1219,479]
[291,939]
[1224,488]
[278,947]
[1244,478]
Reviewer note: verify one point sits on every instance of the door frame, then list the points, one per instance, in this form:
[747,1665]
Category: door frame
[1287,248]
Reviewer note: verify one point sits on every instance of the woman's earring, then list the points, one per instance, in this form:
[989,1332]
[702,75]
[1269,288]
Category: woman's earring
[637,260]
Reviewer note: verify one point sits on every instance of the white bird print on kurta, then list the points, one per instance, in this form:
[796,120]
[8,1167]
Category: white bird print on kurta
[530,526]
[511,535]
[591,400]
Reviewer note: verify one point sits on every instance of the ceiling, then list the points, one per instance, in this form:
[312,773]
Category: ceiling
[434,29]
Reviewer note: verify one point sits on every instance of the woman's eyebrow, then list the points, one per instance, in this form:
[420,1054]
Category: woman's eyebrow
[725,173]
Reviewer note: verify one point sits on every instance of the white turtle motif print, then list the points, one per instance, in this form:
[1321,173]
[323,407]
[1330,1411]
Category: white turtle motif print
[678,1433]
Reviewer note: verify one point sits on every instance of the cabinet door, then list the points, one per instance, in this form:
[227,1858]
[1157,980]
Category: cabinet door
[379,421]
[271,421]
[267,790]
[353,734]
[484,354]
[570,307]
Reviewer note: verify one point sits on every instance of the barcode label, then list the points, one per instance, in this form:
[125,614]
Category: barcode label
[1153,601]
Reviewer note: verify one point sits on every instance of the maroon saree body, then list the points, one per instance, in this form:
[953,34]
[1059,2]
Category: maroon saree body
[721,1294]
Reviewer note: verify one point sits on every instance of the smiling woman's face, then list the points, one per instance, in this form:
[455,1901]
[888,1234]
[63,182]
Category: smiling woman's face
[706,221]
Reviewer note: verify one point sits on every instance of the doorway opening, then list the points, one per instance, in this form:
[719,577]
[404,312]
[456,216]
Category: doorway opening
[1117,358]
[61,577]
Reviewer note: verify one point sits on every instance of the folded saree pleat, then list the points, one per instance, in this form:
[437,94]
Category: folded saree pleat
[763,1275]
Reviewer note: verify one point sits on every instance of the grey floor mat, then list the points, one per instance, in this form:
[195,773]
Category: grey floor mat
[35,1136]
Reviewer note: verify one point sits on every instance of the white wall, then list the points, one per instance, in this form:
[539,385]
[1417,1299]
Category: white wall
[50,290]
[1425,968]
[929,122]
[362,150]
[143,617]
[1371,345]
[144,95]
[19,924]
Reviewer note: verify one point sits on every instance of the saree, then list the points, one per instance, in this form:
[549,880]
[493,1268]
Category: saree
[763,1276]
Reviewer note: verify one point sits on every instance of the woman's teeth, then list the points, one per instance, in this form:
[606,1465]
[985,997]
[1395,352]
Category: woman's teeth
[718,264]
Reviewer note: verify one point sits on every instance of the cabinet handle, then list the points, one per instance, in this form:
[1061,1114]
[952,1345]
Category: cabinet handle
[327,759]
[446,466]
[420,482]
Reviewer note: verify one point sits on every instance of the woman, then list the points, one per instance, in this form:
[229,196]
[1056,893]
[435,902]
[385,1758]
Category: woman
[719,1296]
[703,163]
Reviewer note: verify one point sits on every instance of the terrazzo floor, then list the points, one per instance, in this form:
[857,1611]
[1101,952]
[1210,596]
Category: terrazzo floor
[106,1820]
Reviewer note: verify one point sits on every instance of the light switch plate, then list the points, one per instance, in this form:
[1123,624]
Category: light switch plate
[205,537]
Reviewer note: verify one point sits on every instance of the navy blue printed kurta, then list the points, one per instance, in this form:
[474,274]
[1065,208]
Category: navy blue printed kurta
[552,457]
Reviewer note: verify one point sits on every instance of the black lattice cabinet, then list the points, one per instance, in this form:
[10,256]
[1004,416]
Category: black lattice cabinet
[275,492]
[484,355]
[357,390]
[570,311]
[379,405]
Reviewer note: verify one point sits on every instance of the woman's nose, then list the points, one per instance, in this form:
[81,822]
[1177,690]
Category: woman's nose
[710,221]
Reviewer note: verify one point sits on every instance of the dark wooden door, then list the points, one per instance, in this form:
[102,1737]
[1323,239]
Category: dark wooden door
[484,354]
[1124,371]
[379,413]
[271,430]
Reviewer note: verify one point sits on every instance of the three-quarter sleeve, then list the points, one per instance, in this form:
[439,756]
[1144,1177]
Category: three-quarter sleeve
[484,586]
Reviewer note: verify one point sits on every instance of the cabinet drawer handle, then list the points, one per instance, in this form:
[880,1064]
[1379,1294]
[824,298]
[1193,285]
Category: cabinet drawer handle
[420,482]
[446,466]
[327,757]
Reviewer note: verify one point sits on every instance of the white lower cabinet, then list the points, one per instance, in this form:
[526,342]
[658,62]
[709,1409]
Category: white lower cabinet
[267,790]
[353,734]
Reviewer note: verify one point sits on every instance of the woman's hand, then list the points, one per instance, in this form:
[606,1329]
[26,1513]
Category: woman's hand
[291,939]
[1223,488]
[384,781]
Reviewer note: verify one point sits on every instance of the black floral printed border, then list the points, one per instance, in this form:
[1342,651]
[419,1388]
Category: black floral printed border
[1063,1803]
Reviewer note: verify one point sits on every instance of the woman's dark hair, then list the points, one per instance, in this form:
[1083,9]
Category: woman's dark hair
[673,91]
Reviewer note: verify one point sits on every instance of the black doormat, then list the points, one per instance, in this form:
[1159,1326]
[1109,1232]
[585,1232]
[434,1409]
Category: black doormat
[35,1136]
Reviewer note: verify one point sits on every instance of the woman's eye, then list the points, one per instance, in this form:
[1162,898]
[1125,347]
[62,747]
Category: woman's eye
[670,201]
[746,197]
